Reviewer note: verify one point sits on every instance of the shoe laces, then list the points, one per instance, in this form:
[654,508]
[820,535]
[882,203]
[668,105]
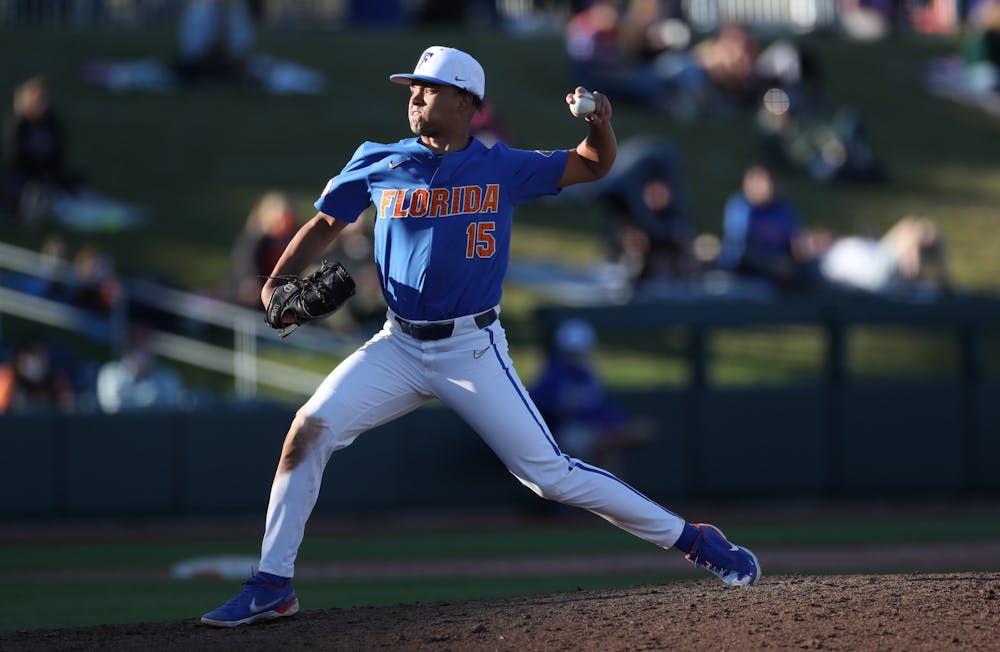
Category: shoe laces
[249,585]
[695,557]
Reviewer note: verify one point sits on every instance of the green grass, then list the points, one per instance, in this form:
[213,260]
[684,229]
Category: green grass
[63,603]
[199,158]
[555,540]
[71,604]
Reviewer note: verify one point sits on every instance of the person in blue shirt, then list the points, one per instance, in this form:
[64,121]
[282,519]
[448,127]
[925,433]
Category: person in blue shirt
[444,207]
[577,407]
[760,231]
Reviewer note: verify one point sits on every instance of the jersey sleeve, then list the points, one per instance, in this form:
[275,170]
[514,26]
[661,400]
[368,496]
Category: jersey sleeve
[347,195]
[533,174]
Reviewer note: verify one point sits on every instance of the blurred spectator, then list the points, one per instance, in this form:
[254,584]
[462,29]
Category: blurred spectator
[53,273]
[366,310]
[453,12]
[136,381]
[36,181]
[728,61]
[488,126]
[95,286]
[981,47]
[215,45]
[384,14]
[613,49]
[649,29]
[572,399]
[34,152]
[215,40]
[268,230]
[870,20]
[31,381]
[909,257]
[648,231]
[973,77]
[802,128]
[762,231]
[791,66]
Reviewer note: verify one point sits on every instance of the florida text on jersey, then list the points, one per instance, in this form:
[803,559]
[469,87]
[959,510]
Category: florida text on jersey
[443,221]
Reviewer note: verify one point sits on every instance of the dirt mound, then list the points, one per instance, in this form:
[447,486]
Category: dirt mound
[901,612]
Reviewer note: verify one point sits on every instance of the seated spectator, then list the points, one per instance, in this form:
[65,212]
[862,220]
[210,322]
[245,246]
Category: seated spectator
[94,286]
[981,47]
[488,126]
[728,61]
[215,45]
[31,381]
[613,49]
[582,416]
[870,20]
[34,155]
[136,381]
[268,230]
[51,278]
[35,181]
[761,232]
[365,312]
[648,230]
[910,256]
[215,40]
[802,128]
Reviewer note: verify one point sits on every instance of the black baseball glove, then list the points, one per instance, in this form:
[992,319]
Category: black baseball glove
[309,298]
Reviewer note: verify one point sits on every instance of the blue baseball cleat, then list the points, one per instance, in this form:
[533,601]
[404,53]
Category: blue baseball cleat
[264,597]
[733,564]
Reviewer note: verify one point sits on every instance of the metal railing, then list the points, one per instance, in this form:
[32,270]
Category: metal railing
[241,361]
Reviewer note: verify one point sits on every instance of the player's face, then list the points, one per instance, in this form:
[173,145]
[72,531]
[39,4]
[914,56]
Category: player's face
[433,108]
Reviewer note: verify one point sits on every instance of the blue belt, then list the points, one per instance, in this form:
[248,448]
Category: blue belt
[440,330]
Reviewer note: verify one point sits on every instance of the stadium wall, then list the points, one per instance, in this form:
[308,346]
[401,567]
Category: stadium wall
[893,440]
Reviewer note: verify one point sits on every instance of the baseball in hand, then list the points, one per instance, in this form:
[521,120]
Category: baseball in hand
[583,105]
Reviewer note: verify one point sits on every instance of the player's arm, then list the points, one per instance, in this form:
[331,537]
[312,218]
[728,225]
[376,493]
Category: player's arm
[308,244]
[593,157]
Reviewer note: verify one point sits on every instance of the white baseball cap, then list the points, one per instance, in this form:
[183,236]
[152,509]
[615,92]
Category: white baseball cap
[449,66]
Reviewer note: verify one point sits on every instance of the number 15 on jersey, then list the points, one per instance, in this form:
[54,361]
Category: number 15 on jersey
[479,242]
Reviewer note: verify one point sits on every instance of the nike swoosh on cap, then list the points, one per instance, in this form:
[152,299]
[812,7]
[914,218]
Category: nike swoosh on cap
[460,79]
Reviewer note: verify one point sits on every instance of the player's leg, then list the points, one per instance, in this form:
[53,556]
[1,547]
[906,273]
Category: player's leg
[494,401]
[375,384]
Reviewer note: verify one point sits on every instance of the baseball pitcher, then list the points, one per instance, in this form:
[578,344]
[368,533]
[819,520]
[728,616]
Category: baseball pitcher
[445,205]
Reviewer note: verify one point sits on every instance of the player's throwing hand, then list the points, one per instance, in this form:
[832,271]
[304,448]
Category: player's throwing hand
[579,104]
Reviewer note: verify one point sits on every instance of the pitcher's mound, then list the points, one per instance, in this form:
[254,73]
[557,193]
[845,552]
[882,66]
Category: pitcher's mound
[897,612]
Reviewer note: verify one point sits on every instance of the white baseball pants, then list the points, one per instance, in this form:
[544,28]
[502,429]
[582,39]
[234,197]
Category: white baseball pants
[470,372]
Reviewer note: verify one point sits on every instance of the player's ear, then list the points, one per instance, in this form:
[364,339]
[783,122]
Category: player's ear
[467,102]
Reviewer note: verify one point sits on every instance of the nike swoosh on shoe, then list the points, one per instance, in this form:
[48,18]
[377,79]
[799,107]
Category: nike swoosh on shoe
[257,609]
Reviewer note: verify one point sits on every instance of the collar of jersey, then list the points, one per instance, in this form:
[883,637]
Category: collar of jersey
[414,145]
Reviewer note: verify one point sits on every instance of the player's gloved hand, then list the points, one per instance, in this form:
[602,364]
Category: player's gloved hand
[299,300]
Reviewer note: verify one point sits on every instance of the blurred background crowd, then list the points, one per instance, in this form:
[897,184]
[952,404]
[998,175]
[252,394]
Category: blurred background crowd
[688,63]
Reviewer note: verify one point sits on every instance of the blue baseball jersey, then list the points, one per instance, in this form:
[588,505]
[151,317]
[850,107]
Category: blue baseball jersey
[443,221]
